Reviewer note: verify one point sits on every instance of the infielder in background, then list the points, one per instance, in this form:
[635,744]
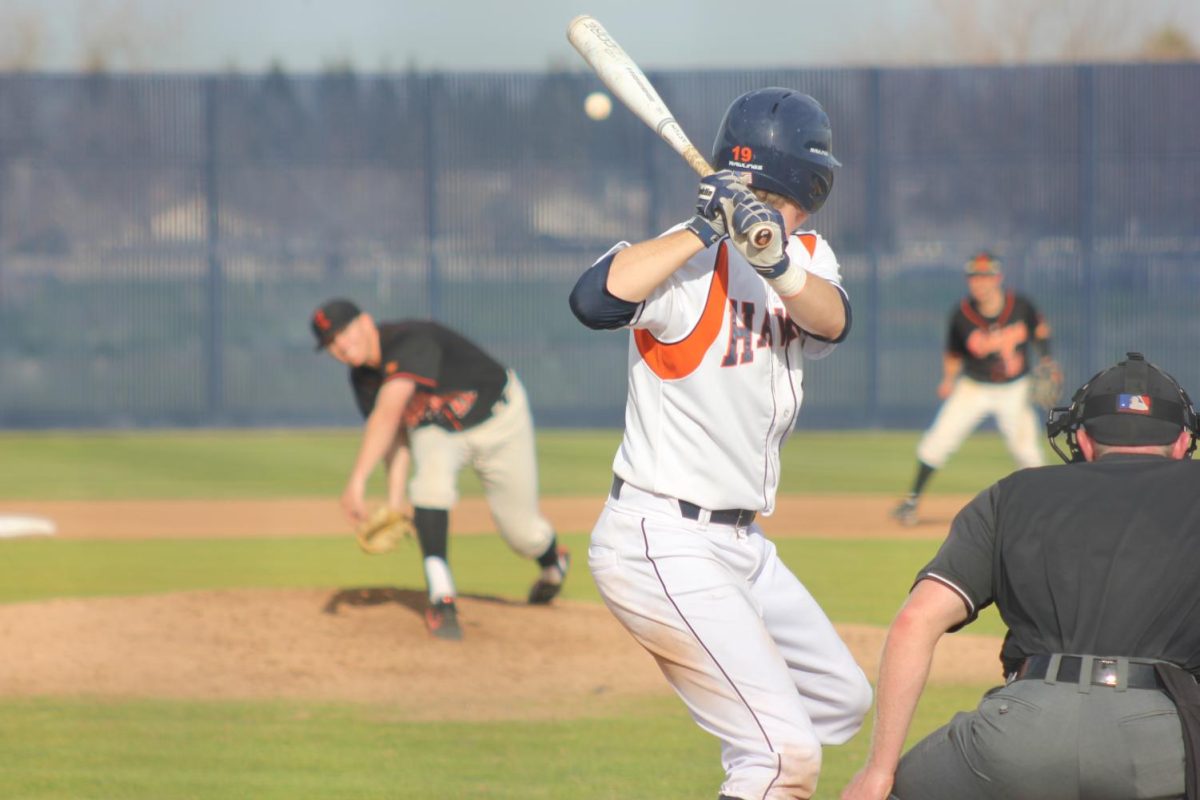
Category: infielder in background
[1092,565]
[994,339]
[720,331]
[434,398]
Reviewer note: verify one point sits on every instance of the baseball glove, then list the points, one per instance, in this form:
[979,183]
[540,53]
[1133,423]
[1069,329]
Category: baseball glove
[1046,384]
[380,532]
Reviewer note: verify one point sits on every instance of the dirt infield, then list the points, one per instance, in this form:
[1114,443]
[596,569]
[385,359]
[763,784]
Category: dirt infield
[369,645]
[363,646]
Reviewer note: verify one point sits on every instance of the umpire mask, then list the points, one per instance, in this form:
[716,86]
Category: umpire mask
[1133,403]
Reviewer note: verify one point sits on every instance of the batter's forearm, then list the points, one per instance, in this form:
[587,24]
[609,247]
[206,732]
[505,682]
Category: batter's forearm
[818,308]
[638,270]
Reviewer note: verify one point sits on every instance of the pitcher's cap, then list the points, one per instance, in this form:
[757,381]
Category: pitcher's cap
[330,317]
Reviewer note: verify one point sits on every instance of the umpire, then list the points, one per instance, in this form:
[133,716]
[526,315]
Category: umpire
[1092,566]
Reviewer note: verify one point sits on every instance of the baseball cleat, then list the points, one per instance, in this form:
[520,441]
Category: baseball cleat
[550,582]
[906,512]
[442,619]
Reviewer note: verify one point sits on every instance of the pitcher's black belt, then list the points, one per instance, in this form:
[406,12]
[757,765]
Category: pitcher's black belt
[1105,671]
[740,517]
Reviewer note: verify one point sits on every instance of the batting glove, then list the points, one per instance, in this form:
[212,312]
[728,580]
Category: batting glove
[769,258]
[708,231]
[715,198]
[754,219]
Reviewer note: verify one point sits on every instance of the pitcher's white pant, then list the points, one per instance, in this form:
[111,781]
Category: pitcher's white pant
[740,639]
[967,406]
[501,451]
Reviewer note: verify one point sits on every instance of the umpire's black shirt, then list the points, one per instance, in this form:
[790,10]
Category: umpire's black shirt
[456,382]
[1099,558]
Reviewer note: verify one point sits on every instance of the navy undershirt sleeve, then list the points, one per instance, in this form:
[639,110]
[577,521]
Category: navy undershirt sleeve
[594,305]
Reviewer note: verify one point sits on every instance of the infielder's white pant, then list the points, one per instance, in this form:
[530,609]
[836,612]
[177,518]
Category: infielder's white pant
[744,644]
[502,453]
[967,406]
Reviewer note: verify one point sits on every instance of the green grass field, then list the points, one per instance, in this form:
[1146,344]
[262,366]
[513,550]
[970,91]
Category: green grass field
[81,747]
[223,464]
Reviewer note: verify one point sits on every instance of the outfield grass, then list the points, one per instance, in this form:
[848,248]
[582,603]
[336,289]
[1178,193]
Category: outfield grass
[253,463]
[57,749]
[82,748]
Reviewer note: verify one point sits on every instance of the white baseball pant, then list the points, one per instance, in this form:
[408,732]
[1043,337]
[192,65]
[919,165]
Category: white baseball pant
[743,643]
[967,406]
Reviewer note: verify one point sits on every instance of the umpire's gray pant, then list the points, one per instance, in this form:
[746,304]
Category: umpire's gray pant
[1033,740]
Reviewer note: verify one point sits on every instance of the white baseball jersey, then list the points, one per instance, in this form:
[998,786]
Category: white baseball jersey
[715,369]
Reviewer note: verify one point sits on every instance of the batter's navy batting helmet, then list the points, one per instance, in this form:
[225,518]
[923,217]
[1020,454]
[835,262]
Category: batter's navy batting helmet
[1130,404]
[783,139]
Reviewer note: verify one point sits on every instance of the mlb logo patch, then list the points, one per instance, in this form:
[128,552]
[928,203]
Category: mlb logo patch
[1133,403]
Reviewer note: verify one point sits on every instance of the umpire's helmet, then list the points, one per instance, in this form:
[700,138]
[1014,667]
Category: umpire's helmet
[1130,404]
[783,139]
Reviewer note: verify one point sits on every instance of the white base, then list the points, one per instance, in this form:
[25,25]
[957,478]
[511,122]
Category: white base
[13,526]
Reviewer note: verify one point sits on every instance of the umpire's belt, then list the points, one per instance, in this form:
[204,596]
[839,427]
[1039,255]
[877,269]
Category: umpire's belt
[1104,671]
[739,517]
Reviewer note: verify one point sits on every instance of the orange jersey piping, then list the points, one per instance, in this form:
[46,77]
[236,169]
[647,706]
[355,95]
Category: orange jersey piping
[978,321]
[809,240]
[680,359]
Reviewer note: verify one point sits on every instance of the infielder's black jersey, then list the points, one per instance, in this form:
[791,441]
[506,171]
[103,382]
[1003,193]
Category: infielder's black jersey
[1093,558]
[994,349]
[456,382]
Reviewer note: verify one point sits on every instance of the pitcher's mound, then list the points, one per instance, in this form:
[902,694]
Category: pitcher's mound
[360,645]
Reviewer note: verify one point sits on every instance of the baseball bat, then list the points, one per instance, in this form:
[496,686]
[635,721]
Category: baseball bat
[625,79]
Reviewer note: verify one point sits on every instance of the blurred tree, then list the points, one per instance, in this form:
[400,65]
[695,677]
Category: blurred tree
[21,42]
[1026,31]
[1169,43]
[124,36]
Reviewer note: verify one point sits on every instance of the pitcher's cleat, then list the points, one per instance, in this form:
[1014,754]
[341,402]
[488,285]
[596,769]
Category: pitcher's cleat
[442,619]
[550,582]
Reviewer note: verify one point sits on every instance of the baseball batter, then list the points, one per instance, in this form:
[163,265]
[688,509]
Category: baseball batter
[720,331]
[994,338]
[435,399]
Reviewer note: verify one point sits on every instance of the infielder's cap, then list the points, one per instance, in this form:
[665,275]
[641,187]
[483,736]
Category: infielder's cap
[1135,403]
[330,317]
[982,263]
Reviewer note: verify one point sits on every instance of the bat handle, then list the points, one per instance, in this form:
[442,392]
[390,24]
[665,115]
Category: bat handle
[761,234]
[698,163]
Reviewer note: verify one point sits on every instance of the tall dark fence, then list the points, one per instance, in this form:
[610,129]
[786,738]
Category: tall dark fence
[163,239]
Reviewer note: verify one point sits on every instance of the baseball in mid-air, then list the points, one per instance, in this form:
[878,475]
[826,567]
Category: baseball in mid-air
[597,105]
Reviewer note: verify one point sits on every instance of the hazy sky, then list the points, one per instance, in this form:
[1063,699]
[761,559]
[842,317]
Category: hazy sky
[470,35]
